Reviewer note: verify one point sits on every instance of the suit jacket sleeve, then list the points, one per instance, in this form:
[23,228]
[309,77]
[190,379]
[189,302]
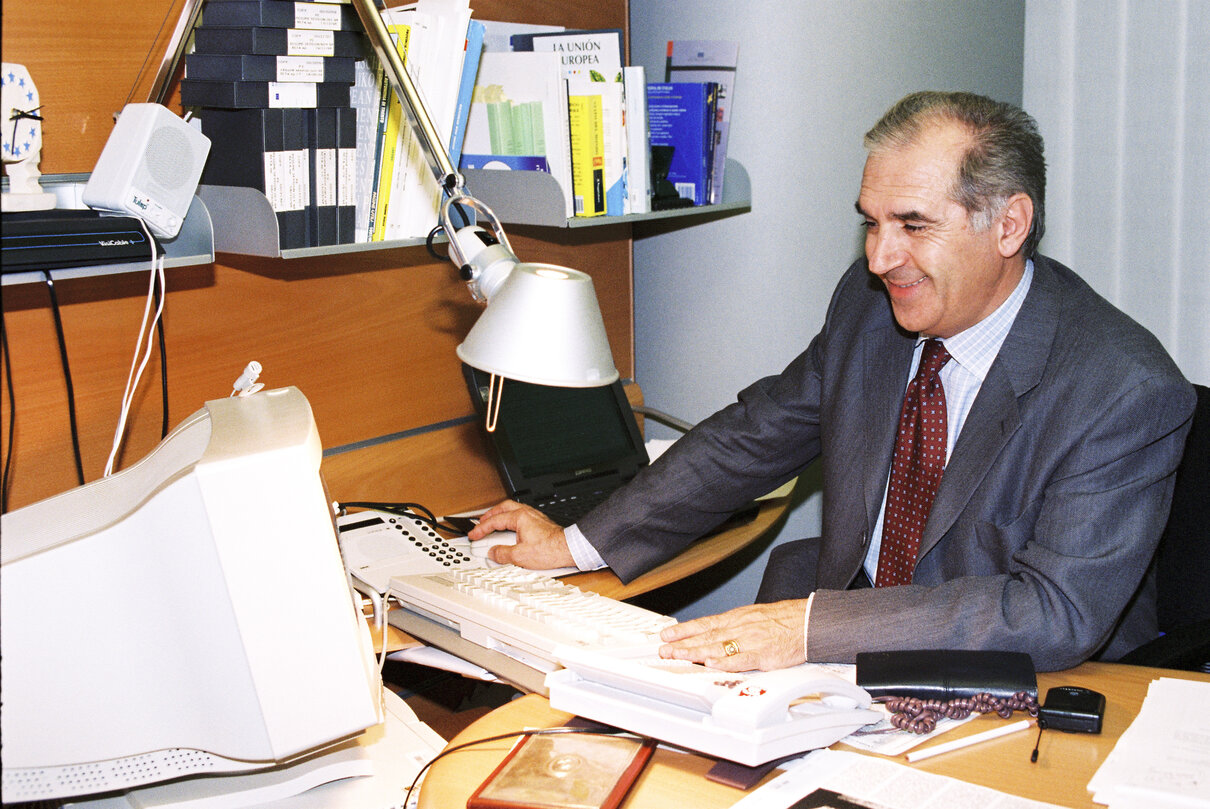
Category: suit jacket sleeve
[767,437]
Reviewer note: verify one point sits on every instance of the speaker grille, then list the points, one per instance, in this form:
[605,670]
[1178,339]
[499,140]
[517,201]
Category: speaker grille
[169,157]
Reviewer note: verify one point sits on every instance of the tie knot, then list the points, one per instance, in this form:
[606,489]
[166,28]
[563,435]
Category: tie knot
[933,357]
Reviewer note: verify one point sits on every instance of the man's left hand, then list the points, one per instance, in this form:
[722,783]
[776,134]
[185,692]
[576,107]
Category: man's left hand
[762,636]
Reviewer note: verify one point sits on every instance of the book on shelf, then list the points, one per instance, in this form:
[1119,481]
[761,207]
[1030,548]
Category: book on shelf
[472,52]
[277,41]
[680,115]
[265,149]
[234,95]
[612,137]
[264,67]
[276,14]
[519,109]
[592,61]
[323,124]
[638,144]
[589,54]
[498,36]
[431,36]
[389,138]
[586,130]
[364,97]
[346,175]
[708,61]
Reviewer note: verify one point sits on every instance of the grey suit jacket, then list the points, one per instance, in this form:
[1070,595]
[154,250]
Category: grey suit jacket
[1048,514]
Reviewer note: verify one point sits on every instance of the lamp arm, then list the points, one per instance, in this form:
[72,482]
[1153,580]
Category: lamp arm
[175,50]
[405,88]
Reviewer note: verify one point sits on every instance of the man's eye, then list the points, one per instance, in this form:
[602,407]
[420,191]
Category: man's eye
[868,225]
[910,228]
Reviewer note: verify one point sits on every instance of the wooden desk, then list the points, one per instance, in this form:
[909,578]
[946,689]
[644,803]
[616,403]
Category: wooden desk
[1066,761]
[697,557]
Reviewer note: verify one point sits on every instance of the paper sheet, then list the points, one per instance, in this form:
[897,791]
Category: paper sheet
[1163,758]
[839,779]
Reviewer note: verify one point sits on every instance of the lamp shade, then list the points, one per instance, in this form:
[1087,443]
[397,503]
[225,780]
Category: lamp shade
[542,325]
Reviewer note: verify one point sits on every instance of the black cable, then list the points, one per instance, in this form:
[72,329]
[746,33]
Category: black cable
[429,240]
[71,393]
[413,511]
[12,414]
[510,735]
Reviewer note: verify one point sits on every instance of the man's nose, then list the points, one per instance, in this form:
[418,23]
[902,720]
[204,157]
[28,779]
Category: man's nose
[884,249]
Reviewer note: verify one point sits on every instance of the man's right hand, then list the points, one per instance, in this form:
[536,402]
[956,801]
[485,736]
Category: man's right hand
[541,544]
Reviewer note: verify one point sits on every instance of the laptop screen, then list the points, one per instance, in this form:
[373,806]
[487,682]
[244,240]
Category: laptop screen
[548,437]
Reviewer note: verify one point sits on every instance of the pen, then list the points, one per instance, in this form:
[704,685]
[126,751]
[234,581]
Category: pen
[958,744]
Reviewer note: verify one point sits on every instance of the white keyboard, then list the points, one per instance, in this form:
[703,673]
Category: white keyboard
[526,614]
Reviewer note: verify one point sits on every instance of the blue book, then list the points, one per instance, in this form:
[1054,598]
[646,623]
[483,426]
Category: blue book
[466,87]
[681,115]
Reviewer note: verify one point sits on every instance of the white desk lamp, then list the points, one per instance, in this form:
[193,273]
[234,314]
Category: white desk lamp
[542,323]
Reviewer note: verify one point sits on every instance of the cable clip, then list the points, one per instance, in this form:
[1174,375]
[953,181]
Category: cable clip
[247,385]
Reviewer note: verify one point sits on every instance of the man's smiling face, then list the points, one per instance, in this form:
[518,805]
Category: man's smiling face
[942,275]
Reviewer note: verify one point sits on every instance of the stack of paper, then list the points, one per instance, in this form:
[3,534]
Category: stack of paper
[833,778]
[1163,758]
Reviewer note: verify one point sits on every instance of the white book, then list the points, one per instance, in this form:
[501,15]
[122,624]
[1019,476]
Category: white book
[638,144]
[509,84]
[434,61]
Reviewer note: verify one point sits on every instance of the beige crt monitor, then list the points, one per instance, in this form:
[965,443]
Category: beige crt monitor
[186,617]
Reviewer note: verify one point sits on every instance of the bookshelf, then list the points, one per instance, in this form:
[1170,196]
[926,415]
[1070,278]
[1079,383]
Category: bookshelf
[534,198]
[244,222]
[367,332]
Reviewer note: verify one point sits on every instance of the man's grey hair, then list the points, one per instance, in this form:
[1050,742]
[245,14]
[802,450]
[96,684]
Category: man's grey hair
[1005,155]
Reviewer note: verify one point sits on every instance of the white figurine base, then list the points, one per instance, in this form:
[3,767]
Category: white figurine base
[40,201]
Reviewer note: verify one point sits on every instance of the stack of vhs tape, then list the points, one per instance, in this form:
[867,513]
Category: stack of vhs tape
[272,79]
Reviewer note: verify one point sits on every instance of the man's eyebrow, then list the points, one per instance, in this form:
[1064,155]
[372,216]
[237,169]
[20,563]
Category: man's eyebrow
[912,216]
[906,216]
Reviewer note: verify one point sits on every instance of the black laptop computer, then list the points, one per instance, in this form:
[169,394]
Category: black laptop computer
[561,450]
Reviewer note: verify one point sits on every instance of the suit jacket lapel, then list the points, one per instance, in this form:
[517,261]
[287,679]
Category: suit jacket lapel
[994,415]
[887,355]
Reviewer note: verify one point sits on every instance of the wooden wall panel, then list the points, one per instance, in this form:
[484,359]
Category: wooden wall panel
[368,337]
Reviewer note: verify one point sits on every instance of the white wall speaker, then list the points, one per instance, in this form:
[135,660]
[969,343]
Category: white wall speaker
[149,168]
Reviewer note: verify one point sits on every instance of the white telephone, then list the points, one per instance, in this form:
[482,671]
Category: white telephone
[749,718]
[377,545]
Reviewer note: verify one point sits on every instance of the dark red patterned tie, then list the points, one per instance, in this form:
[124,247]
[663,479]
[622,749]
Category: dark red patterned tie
[915,469]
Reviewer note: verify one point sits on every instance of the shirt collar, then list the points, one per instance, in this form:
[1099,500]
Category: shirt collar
[975,348]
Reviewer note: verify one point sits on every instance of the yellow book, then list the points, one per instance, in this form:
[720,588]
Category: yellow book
[390,139]
[585,117]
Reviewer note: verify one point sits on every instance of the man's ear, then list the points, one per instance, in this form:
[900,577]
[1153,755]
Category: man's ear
[1014,224]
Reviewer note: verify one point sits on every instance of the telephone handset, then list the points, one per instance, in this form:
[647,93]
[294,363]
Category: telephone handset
[769,697]
[750,718]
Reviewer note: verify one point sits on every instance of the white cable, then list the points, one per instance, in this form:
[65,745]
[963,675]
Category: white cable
[132,379]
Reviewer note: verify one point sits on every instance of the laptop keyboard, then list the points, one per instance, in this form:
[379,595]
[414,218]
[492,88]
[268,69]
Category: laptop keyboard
[569,508]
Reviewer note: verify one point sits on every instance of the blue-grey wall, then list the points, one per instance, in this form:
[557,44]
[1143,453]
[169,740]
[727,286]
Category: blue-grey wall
[719,304]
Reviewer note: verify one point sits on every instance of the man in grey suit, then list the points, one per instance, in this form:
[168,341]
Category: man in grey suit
[1063,424]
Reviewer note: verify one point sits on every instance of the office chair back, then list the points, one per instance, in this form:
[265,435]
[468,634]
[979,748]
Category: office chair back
[1183,560]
